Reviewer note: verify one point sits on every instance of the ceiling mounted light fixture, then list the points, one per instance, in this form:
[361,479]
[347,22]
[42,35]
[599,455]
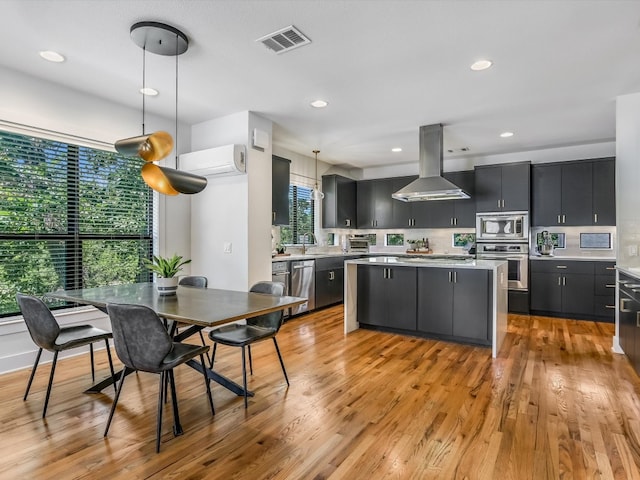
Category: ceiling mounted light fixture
[316,194]
[481,65]
[166,40]
[319,104]
[151,92]
[52,56]
[506,134]
[396,149]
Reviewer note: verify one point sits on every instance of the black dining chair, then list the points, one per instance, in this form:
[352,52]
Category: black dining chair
[256,330]
[47,334]
[143,344]
[196,281]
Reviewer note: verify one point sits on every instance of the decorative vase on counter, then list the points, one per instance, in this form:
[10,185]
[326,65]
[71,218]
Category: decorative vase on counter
[166,286]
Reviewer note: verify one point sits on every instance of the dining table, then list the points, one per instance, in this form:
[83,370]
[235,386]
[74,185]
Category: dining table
[198,307]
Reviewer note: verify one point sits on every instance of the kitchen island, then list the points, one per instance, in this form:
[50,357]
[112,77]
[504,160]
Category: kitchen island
[462,300]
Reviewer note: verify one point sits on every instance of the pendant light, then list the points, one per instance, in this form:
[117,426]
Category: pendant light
[316,193]
[160,39]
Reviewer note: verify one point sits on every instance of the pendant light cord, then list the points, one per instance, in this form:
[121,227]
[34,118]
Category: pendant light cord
[176,141]
[144,57]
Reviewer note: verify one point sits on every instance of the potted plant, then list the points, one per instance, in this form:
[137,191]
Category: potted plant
[166,269]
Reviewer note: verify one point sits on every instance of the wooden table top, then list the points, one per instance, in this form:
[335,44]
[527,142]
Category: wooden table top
[198,306]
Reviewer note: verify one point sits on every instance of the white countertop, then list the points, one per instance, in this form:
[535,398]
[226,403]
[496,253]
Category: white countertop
[429,262]
[600,258]
[313,256]
[633,271]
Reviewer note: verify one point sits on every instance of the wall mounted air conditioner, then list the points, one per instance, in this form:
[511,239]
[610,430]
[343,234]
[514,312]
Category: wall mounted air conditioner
[225,160]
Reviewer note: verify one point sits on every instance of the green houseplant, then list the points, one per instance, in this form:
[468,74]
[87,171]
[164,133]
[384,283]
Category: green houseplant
[166,269]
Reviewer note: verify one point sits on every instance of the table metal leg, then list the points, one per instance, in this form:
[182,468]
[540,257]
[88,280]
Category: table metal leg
[98,387]
[221,379]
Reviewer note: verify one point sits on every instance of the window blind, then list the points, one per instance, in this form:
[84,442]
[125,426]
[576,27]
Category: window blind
[70,217]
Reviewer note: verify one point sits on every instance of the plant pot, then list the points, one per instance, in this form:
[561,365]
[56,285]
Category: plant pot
[167,286]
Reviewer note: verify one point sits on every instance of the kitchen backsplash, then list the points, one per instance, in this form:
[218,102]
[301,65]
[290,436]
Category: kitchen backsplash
[572,241]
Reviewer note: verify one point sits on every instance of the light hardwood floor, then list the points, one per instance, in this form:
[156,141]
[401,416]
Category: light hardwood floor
[555,404]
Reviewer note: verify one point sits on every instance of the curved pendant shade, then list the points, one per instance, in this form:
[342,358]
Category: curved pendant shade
[150,148]
[172,182]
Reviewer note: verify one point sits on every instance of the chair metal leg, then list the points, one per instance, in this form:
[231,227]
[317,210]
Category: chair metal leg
[53,370]
[115,400]
[206,383]
[204,344]
[213,354]
[160,404]
[93,368]
[33,372]
[244,378]
[275,342]
[250,360]
[177,427]
[113,373]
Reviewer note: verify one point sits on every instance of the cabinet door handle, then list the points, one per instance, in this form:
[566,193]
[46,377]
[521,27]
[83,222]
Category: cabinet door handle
[498,203]
[561,266]
[503,203]
[559,219]
[564,219]
[450,276]
[347,222]
[331,276]
[564,280]
[559,280]
[609,286]
[623,309]
[273,216]
[455,277]
[595,218]
[609,268]
[390,273]
[610,306]
[638,319]
[455,221]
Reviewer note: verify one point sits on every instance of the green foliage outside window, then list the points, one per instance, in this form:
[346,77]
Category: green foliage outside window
[301,216]
[70,217]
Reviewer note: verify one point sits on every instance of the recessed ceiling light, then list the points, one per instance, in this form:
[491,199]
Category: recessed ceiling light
[52,56]
[506,134]
[152,92]
[396,149]
[481,65]
[319,104]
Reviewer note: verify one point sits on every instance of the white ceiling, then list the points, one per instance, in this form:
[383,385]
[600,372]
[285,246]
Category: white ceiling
[385,67]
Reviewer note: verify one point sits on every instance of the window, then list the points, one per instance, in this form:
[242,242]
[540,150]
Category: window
[70,217]
[301,216]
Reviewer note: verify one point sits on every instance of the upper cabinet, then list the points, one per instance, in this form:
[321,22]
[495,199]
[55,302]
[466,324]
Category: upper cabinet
[580,193]
[339,203]
[279,190]
[374,203]
[503,188]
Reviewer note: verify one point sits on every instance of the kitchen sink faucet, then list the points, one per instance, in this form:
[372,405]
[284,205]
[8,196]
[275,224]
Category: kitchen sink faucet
[304,237]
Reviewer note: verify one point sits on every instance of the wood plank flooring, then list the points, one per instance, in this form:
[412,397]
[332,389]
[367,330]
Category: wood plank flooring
[555,404]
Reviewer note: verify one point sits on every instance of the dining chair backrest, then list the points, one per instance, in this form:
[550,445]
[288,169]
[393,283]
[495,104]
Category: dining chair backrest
[41,323]
[141,339]
[269,320]
[194,281]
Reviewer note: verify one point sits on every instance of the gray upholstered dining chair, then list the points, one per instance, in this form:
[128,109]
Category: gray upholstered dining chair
[47,334]
[143,344]
[197,281]
[256,330]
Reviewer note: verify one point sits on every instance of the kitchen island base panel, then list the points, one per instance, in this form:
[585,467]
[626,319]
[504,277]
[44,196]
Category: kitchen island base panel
[498,293]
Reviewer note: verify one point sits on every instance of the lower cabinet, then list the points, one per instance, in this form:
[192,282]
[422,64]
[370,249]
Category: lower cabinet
[455,303]
[329,286]
[575,289]
[387,296]
[629,315]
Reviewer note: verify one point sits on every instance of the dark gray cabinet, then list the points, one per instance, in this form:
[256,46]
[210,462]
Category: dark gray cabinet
[339,202]
[574,193]
[503,187]
[387,296]
[329,281]
[605,291]
[455,303]
[629,315]
[280,190]
[374,203]
[561,287]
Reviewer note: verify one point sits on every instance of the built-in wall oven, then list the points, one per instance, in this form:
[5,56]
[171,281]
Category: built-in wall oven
[516,254]
[502,227]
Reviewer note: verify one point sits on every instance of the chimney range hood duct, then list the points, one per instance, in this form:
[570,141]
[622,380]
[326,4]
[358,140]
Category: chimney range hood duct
[430,185]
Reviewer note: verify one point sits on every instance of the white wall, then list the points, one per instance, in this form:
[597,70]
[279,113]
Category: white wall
[233,210]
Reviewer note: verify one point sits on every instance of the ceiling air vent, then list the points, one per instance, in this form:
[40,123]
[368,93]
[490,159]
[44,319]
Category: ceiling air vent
[284,39]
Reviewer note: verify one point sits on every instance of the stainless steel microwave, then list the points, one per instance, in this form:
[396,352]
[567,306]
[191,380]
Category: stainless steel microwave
[503,226]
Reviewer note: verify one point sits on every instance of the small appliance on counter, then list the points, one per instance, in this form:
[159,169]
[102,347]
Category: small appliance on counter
[359,243]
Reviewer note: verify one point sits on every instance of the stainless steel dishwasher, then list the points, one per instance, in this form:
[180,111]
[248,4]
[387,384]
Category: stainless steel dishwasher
[280,273]
[303,284]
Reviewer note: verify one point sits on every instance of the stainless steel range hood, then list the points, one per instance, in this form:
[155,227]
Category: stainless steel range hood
[430,184]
